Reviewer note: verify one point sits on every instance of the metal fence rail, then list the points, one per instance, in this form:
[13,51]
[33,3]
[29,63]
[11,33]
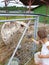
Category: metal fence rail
[29,19]
[36,18]
[11,20]
[17,14]
[22,14]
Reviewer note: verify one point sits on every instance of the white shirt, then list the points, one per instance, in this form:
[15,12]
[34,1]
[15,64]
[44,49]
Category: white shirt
[45,51]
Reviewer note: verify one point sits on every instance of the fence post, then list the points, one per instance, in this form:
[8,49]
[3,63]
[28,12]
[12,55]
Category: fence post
[35,33]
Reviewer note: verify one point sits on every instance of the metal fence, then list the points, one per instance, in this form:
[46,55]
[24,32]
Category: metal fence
[36,21]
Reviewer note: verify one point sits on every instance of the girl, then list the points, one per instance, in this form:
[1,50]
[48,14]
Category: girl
[42,58]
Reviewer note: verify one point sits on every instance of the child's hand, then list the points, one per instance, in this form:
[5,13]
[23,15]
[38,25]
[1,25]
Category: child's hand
[40,56]
[32,39]
[37,42]
[43,56]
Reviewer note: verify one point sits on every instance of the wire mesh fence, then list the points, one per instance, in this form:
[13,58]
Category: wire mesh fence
[25,50]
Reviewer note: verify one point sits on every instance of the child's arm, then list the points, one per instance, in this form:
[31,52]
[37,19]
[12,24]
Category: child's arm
[37,42]
[43,56]
[48,47]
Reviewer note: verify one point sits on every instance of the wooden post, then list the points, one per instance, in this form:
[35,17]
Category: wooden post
[6,8]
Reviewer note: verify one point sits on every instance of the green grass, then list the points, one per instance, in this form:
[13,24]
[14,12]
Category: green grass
[39,10]
[42,10]
[13,17]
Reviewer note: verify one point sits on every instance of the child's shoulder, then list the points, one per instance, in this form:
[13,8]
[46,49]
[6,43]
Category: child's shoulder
[47,43]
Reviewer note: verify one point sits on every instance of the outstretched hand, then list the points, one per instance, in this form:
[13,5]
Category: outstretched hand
[37,42]
[32,39]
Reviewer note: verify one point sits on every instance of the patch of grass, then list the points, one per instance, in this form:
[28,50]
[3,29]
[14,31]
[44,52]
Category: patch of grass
[42,10]
[13,17]
[1,22]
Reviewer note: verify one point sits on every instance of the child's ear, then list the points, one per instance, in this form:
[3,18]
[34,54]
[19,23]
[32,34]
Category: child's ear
[48,47]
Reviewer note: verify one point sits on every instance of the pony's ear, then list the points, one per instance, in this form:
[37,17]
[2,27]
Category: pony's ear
[48,47]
